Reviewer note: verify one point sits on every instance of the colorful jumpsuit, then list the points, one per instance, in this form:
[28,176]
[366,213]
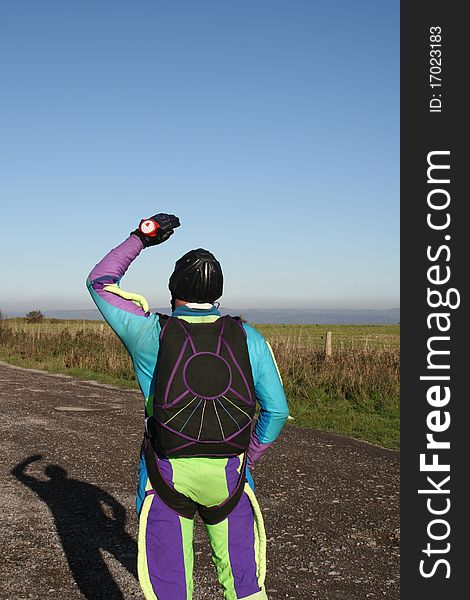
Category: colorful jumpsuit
[165,548]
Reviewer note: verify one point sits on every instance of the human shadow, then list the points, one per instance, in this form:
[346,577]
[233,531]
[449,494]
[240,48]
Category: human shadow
[88,520]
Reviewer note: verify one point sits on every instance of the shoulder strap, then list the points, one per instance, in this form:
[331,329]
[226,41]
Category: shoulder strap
[239,321]
[163,320]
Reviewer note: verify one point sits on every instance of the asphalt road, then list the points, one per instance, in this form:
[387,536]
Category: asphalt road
[69,450]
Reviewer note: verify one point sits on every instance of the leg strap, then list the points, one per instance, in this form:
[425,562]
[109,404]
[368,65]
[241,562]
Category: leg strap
[214,514]
[180,503]
[183,505]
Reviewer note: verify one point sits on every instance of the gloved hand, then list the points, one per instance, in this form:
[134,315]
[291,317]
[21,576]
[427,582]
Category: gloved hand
[156,229]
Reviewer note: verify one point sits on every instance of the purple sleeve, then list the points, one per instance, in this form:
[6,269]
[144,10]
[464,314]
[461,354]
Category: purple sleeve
[256,449]
[110,270]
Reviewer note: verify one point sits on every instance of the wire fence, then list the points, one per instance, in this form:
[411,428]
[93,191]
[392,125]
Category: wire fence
[329,338]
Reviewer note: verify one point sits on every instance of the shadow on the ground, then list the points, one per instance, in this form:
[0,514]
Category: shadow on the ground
[88,520]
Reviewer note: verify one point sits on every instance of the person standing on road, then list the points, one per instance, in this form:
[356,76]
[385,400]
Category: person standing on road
[202,375]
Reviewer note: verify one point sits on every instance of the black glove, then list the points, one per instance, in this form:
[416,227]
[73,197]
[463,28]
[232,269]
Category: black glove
[156,229]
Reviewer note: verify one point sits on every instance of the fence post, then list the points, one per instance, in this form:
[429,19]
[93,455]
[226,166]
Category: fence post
[328,343]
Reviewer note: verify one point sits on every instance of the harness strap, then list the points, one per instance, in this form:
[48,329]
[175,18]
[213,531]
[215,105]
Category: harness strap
[211,515]
[163,320]
[183,505]
[222,321]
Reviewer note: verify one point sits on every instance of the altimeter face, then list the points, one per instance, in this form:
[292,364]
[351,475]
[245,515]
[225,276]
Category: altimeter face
[149,227]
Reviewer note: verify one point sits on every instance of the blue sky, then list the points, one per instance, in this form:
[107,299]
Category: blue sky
[271,128]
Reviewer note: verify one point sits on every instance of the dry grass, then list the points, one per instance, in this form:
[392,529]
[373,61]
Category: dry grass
[90,348]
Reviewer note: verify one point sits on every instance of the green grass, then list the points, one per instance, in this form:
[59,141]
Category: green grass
[354,392]
[345,337]
[376,425]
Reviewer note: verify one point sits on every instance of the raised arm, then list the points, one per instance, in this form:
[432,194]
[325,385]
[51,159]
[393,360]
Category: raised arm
[19,471]
[125,310]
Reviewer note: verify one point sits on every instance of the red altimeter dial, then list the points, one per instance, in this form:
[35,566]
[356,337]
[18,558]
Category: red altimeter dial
[149,227]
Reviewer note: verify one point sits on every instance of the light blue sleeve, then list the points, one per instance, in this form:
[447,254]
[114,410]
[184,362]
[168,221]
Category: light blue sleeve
[140,336]
[268,387]
[127,313]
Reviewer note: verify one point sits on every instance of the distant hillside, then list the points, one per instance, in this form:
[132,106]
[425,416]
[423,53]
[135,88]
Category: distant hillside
[266,315]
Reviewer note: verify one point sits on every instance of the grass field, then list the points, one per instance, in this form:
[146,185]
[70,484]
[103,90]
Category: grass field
[355,391]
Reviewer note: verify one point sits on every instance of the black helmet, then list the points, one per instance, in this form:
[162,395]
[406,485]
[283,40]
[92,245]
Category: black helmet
[197,277]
